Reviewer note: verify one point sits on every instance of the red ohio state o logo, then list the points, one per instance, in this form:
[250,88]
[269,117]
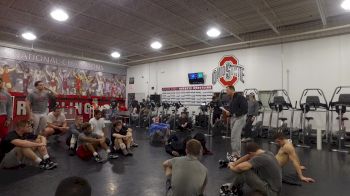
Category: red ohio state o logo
[229,72]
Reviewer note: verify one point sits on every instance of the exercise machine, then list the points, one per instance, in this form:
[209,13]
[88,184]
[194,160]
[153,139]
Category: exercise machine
[340,105]
[311,103]
[279,101]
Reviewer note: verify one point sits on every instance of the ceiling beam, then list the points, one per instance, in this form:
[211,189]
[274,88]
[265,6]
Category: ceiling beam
[145,18]
[258,11]
[321,10]
[228,17]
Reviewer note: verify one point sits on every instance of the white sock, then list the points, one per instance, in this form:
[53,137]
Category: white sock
[72,142]
[46,157]
[108,150]
[38,160]
[95,154]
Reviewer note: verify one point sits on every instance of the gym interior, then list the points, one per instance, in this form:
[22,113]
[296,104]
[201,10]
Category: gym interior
[174,97]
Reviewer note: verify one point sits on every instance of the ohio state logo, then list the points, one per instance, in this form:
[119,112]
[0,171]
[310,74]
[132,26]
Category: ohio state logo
[229,72]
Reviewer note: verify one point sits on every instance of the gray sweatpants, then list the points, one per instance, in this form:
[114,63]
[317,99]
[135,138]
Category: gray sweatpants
[237,125]
[254,182]
[40,122]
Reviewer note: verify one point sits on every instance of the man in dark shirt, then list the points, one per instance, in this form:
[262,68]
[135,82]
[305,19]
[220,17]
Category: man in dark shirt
[259,169]
[184,123]
[238,109]
[121,138]
[19,149]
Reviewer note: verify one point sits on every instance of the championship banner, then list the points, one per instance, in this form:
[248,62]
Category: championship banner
[83,105]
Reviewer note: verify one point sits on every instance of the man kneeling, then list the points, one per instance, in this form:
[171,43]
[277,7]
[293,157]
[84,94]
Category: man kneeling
[259,169]
[121,138]
[90,142]
[186,175]
[20,150]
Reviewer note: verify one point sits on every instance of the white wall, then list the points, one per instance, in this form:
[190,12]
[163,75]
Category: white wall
[320,63]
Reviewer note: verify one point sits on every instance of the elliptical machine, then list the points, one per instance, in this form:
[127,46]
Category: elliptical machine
[311,103]
[340,107]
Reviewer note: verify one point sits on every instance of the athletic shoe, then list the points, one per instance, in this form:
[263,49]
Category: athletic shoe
[71,152]
[98,159]
[125,152]
[129,152]
[112,156]
[134,145]
[232,158]
[42,164]
[50,164]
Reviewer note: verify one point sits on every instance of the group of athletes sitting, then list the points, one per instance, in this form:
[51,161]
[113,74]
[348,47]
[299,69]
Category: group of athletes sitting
[85,139]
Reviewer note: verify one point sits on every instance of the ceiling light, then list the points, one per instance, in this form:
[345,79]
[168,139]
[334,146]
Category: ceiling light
[59,15]
[156,45]
[213,32]
[29,36]
[115,54]
[346,5]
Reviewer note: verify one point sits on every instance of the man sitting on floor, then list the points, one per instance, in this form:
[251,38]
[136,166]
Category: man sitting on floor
[287,153]
[176,144]
[186,175]
[56,123]
[89,142]
[121,138]
[75,130]
[258,169]
[22,147]
[98,124]
[184,123]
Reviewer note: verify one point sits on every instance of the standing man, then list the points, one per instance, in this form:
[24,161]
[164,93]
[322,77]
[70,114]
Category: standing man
[5,111]
[238,109]
[37,104]
[253,112]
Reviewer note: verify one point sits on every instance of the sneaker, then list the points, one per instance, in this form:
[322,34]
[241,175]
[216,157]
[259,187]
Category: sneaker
[232,158]
[129,152]
[98,159]
[71,152]
[42,164]
[125,152]
[134,145]
[112,156]
[50,164]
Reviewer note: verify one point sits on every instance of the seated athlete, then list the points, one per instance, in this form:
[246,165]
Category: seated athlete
[258,169]
[56,123]
[176,143]
[287,153]
[22,147]
[90,142]
[184,123]
[74,130]
[186,175]
[121,138]
[159,132]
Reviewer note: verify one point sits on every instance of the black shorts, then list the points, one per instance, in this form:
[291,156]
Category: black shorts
[57,131]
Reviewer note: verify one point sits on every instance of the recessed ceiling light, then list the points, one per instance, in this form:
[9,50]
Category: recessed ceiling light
[156,45]
[213,32]
[29,36]
[59,15]
[115,54]
[346,5]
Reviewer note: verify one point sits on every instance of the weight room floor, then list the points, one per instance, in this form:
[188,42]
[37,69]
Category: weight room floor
[142,174]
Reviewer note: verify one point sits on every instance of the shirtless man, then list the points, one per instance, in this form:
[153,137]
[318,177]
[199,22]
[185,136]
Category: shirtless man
[287,153]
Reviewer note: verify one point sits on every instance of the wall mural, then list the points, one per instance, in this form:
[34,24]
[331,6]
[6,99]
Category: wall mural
[20,76]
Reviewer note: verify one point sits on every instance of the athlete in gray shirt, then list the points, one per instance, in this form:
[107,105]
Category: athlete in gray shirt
[37,105]
[186,175]
[259,169]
